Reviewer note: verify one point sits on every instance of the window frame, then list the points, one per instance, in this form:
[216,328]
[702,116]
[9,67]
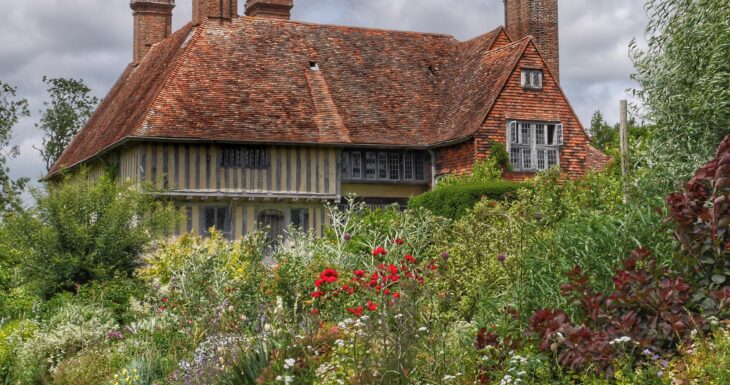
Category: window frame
[529,81]
[385,166]
[525,153]
[205,230]
[252,157]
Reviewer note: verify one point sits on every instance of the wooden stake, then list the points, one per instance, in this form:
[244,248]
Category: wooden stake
[624,138]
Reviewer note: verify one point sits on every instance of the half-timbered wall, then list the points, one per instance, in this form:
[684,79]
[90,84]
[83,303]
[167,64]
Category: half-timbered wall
[245,216]
[309,172]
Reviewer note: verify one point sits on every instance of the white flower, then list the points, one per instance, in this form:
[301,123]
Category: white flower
[506,380]
[289,363]
[620,340]
[423,329]
[448,378]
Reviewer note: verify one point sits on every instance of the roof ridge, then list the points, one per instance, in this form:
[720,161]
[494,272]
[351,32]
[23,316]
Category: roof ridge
[186,46]
[347,27]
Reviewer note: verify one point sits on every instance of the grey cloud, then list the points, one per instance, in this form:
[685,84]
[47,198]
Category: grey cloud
[92,39]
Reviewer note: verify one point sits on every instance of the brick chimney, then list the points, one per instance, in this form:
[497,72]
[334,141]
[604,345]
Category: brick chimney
[275,9]
[152,24]
[222,10]
[537,18]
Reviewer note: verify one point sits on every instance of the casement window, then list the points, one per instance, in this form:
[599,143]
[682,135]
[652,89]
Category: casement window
[532,78]
[215,217]
[253,157]
[391,166]
[300,219]
[534,146]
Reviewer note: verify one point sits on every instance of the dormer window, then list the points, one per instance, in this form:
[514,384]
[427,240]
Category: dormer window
[532,79]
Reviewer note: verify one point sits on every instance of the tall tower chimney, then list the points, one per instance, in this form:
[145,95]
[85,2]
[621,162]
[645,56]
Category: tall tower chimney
[152,24]
[537,18]
[223,10]
[275,9]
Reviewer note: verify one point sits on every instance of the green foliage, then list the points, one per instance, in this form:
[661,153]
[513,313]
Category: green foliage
[683,75]
[456,200]
[483,171]
[69,109]
[602,134]
[81,232]
[498,152]
[11,110]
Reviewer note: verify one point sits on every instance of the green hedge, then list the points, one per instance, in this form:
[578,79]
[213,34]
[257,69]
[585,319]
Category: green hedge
[454,201]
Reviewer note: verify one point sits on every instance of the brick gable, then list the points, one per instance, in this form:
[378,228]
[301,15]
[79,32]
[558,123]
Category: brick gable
[548,104]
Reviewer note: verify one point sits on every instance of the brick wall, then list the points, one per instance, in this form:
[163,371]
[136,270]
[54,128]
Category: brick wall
[217,9]
[548,104]
[457,159]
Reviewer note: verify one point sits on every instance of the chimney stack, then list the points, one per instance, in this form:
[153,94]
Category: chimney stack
[223,10]
[539,19]
[152,24]
[274,9]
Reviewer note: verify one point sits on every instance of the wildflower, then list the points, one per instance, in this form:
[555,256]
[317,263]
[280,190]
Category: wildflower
[163,308]
[423,329]
[393,269]
[347,237]
[410,258]
[359,273]
[356,311]
[396,295]
[445,255]
[502,257]
[314,312]
[379,251]
[398,241]
[319,282]
[289,363]
[329,275]
[372,306]
[620,340]
[317,294]
[164,299]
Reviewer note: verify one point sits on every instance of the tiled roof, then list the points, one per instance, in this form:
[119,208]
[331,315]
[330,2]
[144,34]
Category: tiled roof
[250,81]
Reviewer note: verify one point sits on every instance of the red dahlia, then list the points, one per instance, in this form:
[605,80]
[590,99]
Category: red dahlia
[372,306]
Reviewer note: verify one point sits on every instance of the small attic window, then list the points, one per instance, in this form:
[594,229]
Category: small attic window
[314,66]
[532,78]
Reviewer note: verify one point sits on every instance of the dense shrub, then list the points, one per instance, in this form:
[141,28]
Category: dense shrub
[456,200]
[80,232]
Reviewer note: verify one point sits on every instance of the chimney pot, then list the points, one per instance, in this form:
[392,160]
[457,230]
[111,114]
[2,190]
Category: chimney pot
[273,9]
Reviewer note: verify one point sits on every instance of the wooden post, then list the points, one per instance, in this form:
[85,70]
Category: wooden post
[624,138]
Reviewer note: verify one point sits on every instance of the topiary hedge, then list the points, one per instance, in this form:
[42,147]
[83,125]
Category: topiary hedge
[454,201]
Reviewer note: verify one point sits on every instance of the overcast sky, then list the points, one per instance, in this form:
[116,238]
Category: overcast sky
[92,40]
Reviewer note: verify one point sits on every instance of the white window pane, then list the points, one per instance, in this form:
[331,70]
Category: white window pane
[540,159]
[526,158]
[371,165]
[356,163]
[525,133]
[540,134]
[552,157]
[514,158]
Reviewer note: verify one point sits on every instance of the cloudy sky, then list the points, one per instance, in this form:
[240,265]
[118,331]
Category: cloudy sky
[92,40]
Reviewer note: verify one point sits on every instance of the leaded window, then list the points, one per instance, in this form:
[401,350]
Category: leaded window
[384,166]
[215,217]
[253,156]
[534,146]
[371,165]
[300,219]
[532,78]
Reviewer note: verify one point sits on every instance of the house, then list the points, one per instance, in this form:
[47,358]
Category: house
[257,121]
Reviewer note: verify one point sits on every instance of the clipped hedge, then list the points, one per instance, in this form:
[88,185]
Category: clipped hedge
[455,200]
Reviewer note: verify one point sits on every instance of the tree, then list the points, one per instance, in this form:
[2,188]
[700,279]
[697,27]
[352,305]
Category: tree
[81,232]
[11,110]
[69,109]
[602,135]
[683,76]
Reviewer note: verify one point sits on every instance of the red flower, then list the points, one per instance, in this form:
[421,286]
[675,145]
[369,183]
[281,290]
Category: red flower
[386,292]
[410,258]
[318,282]
[379,251]
[317,294]
[372,306]
[314,312]
[396,295]
[164,299]
[162,308]
[359,273]
[356,311]
[398,241]
[393,269]
[329,275]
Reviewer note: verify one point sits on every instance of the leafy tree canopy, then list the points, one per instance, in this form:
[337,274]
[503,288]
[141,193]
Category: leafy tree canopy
[11,110]
[69,109]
